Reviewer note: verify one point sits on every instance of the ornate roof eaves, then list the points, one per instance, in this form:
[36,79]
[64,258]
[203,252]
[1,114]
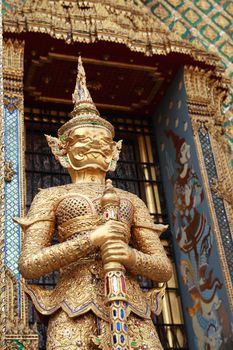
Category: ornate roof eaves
[107,20]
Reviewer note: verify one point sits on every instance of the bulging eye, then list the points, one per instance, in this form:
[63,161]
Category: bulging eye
[82,140]
[106,141]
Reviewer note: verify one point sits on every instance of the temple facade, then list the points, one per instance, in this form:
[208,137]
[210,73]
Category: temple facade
[160,73]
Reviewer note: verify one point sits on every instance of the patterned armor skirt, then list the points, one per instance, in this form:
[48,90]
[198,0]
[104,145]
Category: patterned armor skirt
[87,332]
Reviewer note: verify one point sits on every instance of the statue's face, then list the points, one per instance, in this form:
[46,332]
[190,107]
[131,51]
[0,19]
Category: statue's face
[90,147]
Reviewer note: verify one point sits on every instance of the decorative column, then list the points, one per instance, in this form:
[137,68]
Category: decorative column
[188,127]
[16,332]
[205,95]
[2,201]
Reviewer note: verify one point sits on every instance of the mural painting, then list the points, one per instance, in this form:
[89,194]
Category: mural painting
[203,292]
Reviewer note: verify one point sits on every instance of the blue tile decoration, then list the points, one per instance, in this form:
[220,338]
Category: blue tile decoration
[122,313]
[12,189]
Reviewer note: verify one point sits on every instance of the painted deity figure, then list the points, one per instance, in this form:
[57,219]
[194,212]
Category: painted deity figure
[195,240]
[78,313]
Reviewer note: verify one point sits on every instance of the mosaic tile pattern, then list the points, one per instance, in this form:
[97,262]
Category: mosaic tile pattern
[207,22]
[12,195]
[218,202]
[8,5]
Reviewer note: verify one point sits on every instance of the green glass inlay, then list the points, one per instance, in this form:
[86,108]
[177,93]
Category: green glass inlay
[201,42]
[204,6]
[165,13]
[207,31]
[192,17]
[221,21]
[180,23]
[20,345]
[98,340]
[228,7]
[226,49]
[228,126]
[134,344]
[6,7]
[175,4]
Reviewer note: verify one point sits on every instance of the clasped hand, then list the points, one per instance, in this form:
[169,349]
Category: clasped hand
[110,237]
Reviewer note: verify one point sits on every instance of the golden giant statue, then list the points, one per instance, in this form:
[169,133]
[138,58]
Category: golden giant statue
[91,246]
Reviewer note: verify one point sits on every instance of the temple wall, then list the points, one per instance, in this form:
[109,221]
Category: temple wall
[204,292]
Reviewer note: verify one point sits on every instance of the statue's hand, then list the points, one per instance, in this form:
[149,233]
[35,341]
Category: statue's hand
[110,231]
[118,251]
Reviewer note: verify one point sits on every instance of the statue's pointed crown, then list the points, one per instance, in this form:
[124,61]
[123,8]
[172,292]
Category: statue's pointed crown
[85,112]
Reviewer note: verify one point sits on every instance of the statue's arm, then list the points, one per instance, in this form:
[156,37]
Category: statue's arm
[151,260]
[38,257]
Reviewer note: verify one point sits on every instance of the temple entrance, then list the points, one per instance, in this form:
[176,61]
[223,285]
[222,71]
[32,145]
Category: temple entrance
[164,95]
[126,88]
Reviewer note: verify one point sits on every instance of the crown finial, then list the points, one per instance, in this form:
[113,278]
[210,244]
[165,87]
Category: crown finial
[81,92]
[85,111]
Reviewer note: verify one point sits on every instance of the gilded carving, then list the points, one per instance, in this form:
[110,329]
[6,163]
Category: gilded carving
[16,332]
[97,302]
[205,93]
[223,190]
[13,59]
[13,74]
[200,124]
[9,171]
[90,21]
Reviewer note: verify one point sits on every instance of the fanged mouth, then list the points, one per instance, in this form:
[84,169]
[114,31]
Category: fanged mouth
[95,154]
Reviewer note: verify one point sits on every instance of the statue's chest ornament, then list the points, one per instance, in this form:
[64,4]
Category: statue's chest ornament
[77,213]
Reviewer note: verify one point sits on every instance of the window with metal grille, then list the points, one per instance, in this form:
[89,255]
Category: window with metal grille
[137,172]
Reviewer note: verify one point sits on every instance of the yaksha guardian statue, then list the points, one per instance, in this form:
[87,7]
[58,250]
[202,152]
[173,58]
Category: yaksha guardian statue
[97,302]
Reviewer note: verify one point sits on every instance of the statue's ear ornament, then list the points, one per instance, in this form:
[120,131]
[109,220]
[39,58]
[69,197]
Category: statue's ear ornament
[59,149]
[116,154]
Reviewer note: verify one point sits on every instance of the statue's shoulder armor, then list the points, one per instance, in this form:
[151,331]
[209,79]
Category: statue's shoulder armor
[42,207]
[45,201]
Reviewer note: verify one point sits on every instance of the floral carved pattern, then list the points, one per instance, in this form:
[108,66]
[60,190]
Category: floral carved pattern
[9,171]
